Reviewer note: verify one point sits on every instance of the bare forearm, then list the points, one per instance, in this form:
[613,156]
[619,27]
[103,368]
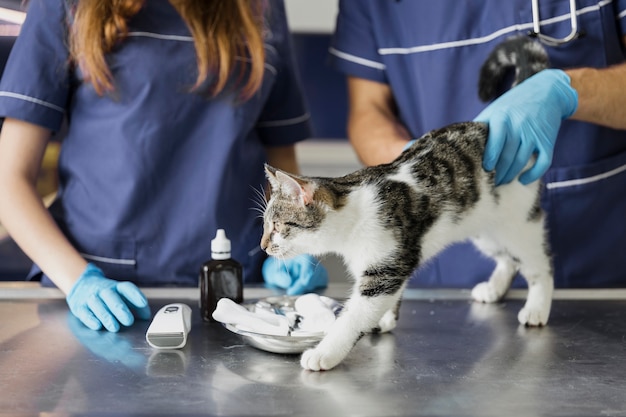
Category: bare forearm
[21,209]
[283,158]
[33,229]
[601,97]
[376,137]
[374,130]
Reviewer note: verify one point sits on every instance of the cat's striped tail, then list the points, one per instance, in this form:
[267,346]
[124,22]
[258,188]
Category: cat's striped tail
[521,54]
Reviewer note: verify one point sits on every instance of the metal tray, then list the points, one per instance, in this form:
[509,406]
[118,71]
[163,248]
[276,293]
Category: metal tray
[276,344]
[292,344]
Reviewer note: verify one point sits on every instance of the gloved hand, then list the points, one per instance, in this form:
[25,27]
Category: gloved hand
[98,301]
[526,120]
[408,145]
[298,275]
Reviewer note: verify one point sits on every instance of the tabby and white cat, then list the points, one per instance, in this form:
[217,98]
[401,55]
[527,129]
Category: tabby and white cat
[387,220]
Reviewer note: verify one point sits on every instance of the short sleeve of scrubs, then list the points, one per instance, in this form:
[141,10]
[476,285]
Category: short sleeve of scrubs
[354,47]
[285,119]
[35,84]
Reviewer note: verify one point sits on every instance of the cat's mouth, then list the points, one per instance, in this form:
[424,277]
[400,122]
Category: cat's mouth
[269,248]
[280,251]
[274,251]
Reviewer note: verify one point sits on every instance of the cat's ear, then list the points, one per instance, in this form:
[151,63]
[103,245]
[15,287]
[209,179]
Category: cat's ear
[299,191]
[270,173]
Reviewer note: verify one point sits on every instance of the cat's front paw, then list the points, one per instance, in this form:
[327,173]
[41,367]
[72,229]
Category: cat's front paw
[533,316]
[485,293]
[318,359]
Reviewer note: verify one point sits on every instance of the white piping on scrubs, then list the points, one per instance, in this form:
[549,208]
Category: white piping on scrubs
[357,60]
[465,42]
[32,100]
[180,38]
[161,36]
[588,180]
[109,260]
[490,37]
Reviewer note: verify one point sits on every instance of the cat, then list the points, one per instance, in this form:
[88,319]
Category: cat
[387,220]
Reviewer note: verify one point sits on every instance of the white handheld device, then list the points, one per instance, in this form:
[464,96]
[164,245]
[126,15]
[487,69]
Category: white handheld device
[169,327]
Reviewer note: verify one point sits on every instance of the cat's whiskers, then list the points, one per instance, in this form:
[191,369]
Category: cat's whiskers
[314,263]
[281,259]
[282,256]
[260,200]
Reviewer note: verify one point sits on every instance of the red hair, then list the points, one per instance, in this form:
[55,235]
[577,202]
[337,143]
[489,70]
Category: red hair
[222,30]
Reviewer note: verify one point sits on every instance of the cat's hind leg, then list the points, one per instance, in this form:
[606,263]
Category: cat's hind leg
[500,280]
[362,313]
[531,248]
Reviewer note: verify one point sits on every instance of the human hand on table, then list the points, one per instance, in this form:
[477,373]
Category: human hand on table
[298,275]
[525,121]
[101,302]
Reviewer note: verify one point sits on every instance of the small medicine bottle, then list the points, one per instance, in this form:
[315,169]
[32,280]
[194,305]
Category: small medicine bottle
[221,277]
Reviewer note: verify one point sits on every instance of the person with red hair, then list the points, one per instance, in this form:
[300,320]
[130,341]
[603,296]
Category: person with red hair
[172,109]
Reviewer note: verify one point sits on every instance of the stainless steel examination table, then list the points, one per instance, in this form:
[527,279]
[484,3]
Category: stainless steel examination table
[447,357]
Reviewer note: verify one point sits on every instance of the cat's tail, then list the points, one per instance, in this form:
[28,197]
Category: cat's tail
[522,54]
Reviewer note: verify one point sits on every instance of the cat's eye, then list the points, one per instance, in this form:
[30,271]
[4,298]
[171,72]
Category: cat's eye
[278,226]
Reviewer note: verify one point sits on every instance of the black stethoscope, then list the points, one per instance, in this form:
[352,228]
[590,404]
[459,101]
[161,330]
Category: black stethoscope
[549,40]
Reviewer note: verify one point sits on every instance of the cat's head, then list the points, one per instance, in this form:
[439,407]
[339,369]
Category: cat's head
[294,214]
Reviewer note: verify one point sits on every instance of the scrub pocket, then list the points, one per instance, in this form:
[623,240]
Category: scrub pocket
[116,257]
[587,223]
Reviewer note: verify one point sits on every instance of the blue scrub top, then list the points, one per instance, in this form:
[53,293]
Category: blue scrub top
[149,172]
[430,54]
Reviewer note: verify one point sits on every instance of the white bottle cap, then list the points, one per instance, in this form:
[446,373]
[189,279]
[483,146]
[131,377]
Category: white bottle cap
[220,246]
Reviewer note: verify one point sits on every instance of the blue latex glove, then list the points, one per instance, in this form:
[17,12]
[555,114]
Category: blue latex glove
[525,121]
[298,275]
[98,301]
[408,145]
